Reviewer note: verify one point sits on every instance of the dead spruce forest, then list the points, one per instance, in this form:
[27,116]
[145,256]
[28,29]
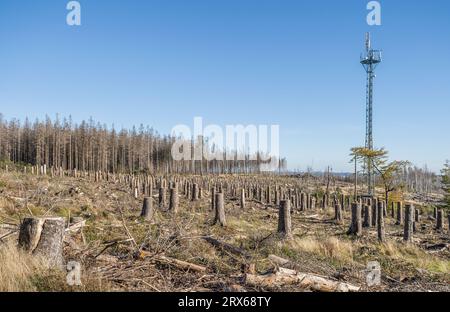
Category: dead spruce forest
[135,220]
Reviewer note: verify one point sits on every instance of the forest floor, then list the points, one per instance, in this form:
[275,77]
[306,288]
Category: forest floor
[119,251]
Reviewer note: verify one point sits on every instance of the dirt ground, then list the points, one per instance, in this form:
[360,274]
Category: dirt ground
[119,251]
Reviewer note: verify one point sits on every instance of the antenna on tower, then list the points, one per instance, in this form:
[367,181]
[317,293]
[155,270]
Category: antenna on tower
[368,41]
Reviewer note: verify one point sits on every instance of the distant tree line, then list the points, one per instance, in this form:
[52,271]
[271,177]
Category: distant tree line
[92,146]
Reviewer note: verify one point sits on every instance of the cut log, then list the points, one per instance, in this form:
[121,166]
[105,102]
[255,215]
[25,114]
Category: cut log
[283,276]
[43,237]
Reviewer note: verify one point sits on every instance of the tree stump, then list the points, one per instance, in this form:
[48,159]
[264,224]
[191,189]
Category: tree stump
[367,216]
[409,219]
[162,197]
[374,213]
[43,237]
[213,199]
[440,220]
[147,209]
[284,219]
[243,198]
[220,210]
[195,192]
[338,214]
[356,223]
[173,200]
[380,223]
[399,213]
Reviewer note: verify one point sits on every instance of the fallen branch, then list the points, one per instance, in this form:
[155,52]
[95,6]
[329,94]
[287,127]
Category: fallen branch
[284,276]
[180,264]
[225,246]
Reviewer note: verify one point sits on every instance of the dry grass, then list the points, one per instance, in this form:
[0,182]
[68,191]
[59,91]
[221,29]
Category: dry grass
[330,247]
[18,269]
[413,255]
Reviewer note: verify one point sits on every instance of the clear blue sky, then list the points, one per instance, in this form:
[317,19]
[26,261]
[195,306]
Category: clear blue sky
[289,62]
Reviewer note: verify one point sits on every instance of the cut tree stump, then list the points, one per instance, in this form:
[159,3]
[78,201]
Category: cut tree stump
[284,219]
[409,220]
[147,209]
[43,237]
[220,210]
[356,222]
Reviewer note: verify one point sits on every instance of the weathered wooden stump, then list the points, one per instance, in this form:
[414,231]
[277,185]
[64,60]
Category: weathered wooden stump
[367,216]
[243,198]
[173,200]
[400,216]
[409,219]
[147,209]
[440,220]
[162,197]
[195,192]
[338,214]
[380,223]
[374,213]
[220,210]
[43,237]
[213,199]
[284,219]
[356,223]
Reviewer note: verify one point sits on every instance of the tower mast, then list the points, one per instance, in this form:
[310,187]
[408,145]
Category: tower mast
[370,60]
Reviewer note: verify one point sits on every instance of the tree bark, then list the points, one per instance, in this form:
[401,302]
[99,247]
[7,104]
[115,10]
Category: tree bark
[43,237]
[284,219]
[356,223]
[284,276]
[147,209]
[409,219]
[220,210]
[380,223]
